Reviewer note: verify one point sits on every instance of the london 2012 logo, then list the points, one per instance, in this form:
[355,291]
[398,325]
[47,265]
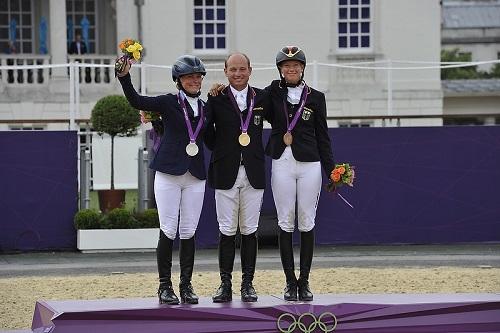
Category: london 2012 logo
[307,323]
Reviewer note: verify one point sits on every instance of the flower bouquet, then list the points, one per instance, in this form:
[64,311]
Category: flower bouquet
[148,116]
[342,174]
[132,52]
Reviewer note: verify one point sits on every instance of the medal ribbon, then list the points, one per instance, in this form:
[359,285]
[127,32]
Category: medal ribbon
[303,99]
[244,125]
[192,136]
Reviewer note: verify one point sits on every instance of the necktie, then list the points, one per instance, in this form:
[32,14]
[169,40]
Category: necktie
[241,100]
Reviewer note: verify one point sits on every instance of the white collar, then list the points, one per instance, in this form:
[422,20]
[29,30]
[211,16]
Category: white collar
[239,92]
[242,102]
[193,101]
[294,93]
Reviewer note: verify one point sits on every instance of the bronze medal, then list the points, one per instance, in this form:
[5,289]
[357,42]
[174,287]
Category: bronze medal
[244,139]
[192,149]
[288,138]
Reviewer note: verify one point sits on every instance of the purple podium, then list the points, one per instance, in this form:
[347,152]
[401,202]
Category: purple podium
[385,313]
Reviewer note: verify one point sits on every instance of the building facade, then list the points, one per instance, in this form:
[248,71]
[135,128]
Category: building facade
[355,51]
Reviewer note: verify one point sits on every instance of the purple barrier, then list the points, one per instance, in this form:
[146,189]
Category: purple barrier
[415,185]
[38,190]
[390,313]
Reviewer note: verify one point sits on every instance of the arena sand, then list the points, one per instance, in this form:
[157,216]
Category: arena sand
[18,295]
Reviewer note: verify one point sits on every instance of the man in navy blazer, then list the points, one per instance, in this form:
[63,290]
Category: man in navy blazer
[236,171]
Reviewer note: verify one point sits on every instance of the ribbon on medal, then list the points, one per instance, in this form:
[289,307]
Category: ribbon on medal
[244,138]
[287,137]
[192,148]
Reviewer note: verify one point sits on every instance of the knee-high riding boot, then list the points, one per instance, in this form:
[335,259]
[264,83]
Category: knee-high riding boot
[186,259]
[248,252]
[306,256]
[226,262]
[166,294]
[286,253]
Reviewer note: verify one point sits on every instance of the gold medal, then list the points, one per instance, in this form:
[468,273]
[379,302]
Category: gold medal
[244,139]
[288,138]
[192,149]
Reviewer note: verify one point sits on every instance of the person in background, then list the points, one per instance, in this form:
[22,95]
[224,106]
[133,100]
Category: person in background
[180,173]
[77,46]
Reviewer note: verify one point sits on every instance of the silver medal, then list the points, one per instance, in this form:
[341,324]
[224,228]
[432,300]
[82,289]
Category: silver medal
[192,149]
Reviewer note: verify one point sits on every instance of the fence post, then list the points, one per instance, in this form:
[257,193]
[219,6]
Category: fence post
[315,75]
[71,96]
[84,177]
[389,89]
[142,179]
[77,89]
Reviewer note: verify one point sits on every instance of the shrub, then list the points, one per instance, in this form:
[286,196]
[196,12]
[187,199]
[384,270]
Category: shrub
[148,218]
[88,219]
[119,218]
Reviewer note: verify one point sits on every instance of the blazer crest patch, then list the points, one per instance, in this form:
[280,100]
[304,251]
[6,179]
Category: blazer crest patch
[306,113]
[257,119]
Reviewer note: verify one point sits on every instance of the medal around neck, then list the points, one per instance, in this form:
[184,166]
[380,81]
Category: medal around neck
[244,139]
[288,138]
[192,149]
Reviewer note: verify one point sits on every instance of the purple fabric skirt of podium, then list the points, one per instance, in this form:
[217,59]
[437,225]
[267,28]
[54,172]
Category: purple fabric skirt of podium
[370,313]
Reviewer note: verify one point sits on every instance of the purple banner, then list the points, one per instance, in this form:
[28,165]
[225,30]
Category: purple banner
[38,190]
[420,185]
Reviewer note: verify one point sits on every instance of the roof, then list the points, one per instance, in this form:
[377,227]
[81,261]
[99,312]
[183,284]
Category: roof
[475,87]
[471,14]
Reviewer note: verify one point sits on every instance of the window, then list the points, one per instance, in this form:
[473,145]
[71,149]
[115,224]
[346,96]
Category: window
[81,18]
[16,26]
[354,24]
[210,25]
[355,124]
[32,127]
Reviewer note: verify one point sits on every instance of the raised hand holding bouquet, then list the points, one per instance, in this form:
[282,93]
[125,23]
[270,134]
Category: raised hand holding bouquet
[342,174]
[132,52]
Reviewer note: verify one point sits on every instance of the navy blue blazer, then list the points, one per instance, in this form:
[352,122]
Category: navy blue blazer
[310,135]
[171,157]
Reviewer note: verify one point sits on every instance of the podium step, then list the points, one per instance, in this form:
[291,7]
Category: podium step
[366,313]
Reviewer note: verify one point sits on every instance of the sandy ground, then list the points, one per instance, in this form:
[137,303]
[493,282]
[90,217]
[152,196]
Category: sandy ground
[18,295]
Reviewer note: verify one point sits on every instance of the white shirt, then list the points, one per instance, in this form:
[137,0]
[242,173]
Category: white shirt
[294,93]
[241,97]
[193,101]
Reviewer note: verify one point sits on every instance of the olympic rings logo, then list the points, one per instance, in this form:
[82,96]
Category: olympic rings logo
[302,324]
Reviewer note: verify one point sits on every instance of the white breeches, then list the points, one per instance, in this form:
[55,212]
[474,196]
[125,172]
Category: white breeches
[176,194]
[239,205]
[295,182]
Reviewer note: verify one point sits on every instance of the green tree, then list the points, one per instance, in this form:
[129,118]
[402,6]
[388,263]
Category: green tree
[495,71]
[458,73]
[114,116]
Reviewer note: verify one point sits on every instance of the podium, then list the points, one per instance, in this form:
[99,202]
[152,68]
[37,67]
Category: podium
[360,313]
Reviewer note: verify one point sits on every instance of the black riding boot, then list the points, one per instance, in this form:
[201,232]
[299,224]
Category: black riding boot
[286,253]
[306,256]
[248,252]
[166,294]
[186,258]
[226,262]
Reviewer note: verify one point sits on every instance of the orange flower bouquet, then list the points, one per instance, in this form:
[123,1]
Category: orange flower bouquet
[132,52]
[342,174]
